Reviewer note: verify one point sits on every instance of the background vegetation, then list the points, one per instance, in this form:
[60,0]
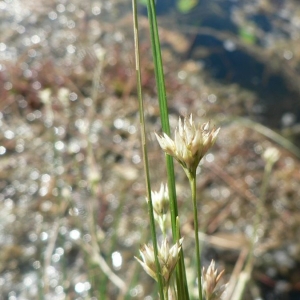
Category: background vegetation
[71,170]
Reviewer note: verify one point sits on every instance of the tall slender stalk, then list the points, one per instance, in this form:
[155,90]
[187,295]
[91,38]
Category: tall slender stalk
[192,180]
[164,115]
[144,150]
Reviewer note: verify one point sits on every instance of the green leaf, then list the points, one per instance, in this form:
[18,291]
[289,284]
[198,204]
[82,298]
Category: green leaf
[143,2]
[185,6]
[247,35]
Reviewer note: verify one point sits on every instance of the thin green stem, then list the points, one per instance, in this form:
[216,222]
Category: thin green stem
[159,72]
[181,280]
[162,225]
[166,289]
[144,148]
[192,180]
[182,290]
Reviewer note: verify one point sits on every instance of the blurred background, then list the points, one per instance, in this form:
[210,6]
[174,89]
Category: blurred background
[72,193]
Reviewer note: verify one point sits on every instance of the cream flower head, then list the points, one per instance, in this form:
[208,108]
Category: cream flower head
[210,279]
[160,200]
[190,144]
[167,258]
[271,155]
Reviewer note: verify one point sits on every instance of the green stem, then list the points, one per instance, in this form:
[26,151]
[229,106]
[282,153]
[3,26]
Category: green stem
[192,179]
[162,225]
[144,148]
[166,290]
[181,281]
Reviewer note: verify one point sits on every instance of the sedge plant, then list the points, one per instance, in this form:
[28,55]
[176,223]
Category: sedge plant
[190,144]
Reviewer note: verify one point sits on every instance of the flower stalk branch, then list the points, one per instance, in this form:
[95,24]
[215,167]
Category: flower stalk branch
[192,179]
[189,146]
